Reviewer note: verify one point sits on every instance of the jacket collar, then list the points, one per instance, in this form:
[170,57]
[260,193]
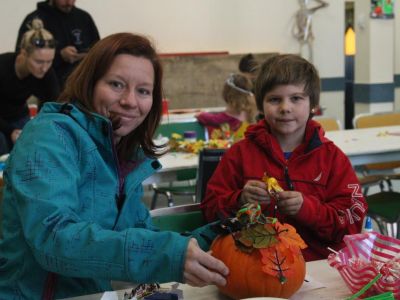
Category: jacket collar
[314,136]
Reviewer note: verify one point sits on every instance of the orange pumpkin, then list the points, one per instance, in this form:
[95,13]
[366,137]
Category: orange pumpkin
[264,260]
[246,278]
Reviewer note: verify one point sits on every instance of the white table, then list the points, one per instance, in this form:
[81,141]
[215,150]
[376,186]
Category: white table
[368,145]
[325,284]
[187,115]
[172,162]
[362,146]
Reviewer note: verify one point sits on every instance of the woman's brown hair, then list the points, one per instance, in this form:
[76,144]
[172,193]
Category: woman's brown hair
[80,85]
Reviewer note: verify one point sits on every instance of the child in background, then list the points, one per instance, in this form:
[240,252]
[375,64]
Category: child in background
[249,66]
[239,112]
[322,197]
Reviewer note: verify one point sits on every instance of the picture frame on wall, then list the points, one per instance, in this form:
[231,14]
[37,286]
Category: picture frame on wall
[382,9]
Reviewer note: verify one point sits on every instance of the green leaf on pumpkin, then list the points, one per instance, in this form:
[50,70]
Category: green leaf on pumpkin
[258,236]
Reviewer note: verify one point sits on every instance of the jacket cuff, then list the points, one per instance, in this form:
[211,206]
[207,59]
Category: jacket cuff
[155,256]
[205,235]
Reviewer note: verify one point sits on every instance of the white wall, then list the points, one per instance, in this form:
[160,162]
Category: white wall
[237,26]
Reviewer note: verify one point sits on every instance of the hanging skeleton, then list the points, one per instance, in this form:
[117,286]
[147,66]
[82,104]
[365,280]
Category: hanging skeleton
[302,29]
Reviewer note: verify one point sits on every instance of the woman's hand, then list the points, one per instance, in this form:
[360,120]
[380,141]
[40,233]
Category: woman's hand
[254,191]
[289,202]
[201,268]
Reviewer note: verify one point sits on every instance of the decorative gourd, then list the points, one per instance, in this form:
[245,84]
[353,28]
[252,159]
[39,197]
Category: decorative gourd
[263,255]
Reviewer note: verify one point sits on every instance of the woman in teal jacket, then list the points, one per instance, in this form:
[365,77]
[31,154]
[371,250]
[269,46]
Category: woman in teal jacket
[72,215]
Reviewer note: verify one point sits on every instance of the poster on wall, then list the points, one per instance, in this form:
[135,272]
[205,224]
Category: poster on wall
[382,9]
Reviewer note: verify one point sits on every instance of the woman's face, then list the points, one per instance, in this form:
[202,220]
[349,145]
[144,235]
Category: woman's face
[125,93]
[39,61]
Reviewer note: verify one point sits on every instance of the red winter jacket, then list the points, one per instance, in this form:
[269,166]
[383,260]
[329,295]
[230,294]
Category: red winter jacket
[333,203]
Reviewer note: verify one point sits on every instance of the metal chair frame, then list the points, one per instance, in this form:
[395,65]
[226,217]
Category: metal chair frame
[185,183]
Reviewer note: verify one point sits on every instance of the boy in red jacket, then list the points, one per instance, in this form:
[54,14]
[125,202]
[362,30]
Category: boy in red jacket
[322,196]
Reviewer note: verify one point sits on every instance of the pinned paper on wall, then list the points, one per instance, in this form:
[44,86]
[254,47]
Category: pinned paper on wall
[382,9]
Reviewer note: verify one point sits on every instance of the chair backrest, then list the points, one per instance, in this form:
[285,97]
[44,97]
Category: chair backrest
[167,129]
[178,218]
[328,123]
[377,120]
[208,162]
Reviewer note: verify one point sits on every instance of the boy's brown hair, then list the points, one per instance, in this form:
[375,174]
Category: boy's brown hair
[287,69]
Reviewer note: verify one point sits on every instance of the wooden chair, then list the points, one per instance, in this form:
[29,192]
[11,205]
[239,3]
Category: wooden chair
[368,120]
[185,183]
[329,123]
[378,120]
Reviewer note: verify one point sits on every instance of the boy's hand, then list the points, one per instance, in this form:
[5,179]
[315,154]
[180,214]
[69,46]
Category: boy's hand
[289,202]
[254,191]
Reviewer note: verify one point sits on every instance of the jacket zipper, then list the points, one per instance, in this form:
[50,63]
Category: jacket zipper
[288,181]
[120,197]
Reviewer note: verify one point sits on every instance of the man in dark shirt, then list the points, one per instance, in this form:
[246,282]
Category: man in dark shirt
[15,91]
[73,29]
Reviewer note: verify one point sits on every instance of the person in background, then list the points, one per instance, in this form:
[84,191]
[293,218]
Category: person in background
[25,74]
[240,108]
[322,196]
[249,66]
[73,29]
[73,219]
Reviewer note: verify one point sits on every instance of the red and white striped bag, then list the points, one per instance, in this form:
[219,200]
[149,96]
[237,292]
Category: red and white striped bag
[364,257]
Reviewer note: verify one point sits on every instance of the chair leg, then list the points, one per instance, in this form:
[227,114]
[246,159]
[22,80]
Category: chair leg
[389,183]
[382,225]
[382,186]
[366,189]
[169,198]
[154,200]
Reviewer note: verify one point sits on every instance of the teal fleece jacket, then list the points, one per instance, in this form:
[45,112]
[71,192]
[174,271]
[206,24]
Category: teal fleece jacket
[60,213]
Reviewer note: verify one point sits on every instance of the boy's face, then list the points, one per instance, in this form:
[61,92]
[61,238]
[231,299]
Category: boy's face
[287,109]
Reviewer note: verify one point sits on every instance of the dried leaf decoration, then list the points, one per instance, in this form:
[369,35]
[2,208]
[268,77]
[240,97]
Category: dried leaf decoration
[289,237]
[258,236]
[263,255]
[277,263]
[277,243]
[278,257]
